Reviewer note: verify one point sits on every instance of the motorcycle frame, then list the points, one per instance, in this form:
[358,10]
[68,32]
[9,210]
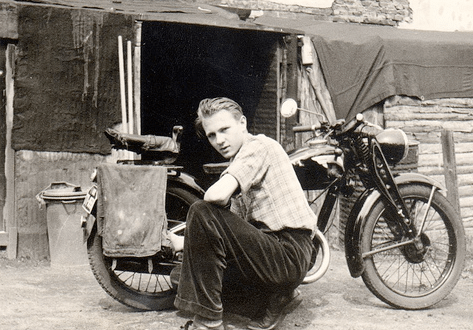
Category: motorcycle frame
[382,185]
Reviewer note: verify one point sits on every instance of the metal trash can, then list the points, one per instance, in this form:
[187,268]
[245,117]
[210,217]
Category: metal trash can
[63,210]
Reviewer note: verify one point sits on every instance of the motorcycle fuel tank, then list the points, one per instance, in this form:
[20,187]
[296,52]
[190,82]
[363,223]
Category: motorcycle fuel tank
[317,166]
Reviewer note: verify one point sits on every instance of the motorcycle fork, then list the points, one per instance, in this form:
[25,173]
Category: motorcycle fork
[327,206]
[384,181]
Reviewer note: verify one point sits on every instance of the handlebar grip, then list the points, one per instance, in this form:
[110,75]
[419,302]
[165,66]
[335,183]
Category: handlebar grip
[305,128]
[354,123]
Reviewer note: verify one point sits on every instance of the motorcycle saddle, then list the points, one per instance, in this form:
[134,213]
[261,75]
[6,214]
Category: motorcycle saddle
[145,143]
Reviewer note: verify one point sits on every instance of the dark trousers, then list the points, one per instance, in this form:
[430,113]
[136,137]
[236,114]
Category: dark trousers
[221,249]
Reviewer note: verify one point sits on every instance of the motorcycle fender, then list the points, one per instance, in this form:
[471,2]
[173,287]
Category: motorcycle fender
[359,214]
[88,223]
[186,180]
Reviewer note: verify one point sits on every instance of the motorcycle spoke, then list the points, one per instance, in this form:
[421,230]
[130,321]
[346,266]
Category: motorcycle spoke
[391,256]
[147,283]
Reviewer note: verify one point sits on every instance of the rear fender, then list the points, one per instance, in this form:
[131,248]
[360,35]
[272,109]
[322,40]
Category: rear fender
[88,223]
[187,181]
[359,213]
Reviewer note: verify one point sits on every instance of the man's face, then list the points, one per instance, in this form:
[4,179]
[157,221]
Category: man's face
[225,133]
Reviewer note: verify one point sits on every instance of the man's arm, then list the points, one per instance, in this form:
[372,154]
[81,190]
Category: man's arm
[221,191]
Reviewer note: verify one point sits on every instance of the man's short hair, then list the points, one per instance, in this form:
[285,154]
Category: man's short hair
[210,106]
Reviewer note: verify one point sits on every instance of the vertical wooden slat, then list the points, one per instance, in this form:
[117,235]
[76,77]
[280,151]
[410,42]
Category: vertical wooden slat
[450,168]
[291,85]
[9,211]
[137,76]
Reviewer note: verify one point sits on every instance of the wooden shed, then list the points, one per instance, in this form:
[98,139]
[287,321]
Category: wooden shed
[61,67]
[64,89]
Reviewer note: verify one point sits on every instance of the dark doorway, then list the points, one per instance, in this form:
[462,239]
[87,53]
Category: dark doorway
[182,64]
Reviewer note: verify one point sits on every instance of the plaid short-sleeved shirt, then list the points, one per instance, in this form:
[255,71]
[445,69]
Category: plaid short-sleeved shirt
[271,194]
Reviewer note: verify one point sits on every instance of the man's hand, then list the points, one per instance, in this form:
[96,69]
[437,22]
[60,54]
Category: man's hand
[177,242]
[220,192]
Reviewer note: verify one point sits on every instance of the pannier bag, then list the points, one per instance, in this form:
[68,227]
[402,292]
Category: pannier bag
[131,209]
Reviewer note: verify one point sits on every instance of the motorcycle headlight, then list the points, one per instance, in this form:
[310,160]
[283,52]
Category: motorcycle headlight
[394,144]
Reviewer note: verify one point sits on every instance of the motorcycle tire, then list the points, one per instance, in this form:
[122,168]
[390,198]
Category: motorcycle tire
[136,287]
[414,277]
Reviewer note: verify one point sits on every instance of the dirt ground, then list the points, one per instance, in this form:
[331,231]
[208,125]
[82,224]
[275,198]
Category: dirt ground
[37,296]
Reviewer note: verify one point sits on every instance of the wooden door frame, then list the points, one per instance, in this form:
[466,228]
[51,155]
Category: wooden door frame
[9,237]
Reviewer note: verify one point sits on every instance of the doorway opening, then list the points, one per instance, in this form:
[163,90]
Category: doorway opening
[182,64]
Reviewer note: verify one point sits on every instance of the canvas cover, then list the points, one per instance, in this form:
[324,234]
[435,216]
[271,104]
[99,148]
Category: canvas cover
[131,209]
[365,64]
[364,67]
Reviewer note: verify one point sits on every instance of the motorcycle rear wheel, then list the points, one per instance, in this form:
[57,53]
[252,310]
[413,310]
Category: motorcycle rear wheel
[134,285]
[411,277]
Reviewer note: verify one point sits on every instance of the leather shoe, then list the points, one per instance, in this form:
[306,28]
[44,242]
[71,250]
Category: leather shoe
[278,307]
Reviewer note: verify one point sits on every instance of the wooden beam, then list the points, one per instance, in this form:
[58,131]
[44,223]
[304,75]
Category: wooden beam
[9,210]
[137,76]
[292,66]
[450,168]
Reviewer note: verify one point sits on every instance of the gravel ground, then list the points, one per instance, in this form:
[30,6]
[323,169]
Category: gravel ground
[37,296]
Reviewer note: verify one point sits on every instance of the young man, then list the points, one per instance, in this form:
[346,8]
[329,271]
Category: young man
[264,239]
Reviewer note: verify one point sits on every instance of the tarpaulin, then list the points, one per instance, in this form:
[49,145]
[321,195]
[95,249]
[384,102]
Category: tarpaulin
[132,209]
[66,79]
[364,64]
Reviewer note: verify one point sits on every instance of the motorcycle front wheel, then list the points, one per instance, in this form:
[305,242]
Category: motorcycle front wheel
[413,275]
[134,281]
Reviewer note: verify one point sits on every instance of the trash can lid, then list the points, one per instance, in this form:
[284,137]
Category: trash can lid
[63,194]
[62,191]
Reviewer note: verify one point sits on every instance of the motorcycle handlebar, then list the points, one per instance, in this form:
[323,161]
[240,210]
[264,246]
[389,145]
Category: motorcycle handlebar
[354,123]
[349,126]
[306,128]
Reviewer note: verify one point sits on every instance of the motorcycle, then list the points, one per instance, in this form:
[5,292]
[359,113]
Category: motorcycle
[402,236]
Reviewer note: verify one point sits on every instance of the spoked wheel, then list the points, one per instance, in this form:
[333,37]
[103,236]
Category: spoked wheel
[413,274]
[143,283]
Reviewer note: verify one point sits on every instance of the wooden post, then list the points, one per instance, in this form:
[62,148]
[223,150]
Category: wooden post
[450,169]
[122,84]
[9,211]
[129,76]
[290,66]
[137,77]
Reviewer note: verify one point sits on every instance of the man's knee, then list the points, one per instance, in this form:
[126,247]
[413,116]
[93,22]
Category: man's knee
[197,208]
[199,211]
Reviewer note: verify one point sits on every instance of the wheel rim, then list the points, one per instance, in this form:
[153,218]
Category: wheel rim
[410,271]
[155,284]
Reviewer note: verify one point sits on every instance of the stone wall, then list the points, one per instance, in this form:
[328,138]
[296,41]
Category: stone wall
[381,12]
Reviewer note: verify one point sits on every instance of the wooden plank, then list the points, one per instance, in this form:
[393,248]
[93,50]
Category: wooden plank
[463,159]
[9,212]
[448,147]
